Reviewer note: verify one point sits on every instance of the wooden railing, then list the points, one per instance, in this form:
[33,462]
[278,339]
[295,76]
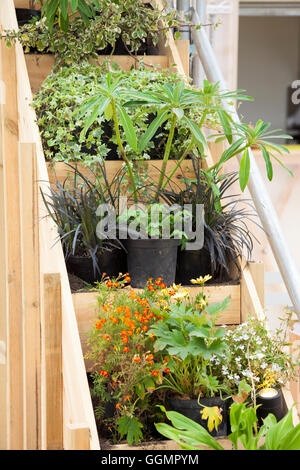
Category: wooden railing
[44,395]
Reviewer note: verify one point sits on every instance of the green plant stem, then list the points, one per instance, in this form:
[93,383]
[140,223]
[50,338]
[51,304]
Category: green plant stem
[233,155]
[166,155]
[122,150]
[185,154]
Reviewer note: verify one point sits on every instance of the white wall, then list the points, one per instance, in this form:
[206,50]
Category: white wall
[269,56]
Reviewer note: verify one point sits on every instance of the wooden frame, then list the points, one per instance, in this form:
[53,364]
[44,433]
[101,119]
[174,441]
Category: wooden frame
[24,305]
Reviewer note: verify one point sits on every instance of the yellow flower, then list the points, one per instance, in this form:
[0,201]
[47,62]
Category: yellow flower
[180,295]
[201,280]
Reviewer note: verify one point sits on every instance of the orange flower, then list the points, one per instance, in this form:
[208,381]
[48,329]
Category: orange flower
[155,373]
[104,373]
[126,349]
[167,370]
[127,397]
[150,288]
[114,384]
[109,283]
[116,284]
[149,357]
[118,405]
[145,328]
[136,358]
[127,279]
[119,309]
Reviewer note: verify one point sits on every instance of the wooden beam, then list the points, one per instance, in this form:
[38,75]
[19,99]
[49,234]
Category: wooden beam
[4,369]
[250,300]
[53,361]
[14,249]
[257,270]
[183,47]
[31,288]
[78,437]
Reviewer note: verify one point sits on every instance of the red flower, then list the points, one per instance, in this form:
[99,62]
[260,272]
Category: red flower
[167,370]
[104,373]
[155,373]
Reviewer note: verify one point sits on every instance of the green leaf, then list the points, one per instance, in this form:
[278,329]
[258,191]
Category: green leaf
[244,172]
[128,127]
[268,162]
[97,111]
[130,427]
[64,8]
[186,430]
[155,124]
[196,131]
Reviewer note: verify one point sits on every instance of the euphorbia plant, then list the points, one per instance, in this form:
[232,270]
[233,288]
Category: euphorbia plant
[172,104]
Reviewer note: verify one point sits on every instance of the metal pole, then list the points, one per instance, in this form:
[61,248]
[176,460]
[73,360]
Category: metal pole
[256,185]
[198,72]
[183,7]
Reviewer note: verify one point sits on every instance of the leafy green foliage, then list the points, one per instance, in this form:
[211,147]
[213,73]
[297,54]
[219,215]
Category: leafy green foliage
[74,38]
[243,420]
[130,427]
[188,334]
[258,136]
[154,221]
[74,210]
[226,234]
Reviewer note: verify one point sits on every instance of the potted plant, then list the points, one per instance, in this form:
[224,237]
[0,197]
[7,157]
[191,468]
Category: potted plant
[126,370]
[74,37]
[188,338]
[88,253]
[152,234]
[246,433]
[257,356]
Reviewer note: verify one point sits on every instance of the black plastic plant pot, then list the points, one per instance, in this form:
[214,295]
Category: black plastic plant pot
[24,15]
[270,404]
[192,264]
[152,258]
[192,410]
[82,267]
[111,262]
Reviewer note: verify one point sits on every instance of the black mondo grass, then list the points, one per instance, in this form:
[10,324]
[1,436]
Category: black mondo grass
[73,205]
[227,237]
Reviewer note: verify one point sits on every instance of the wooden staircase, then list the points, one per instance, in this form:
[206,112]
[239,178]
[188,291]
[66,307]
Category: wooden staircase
[45,401]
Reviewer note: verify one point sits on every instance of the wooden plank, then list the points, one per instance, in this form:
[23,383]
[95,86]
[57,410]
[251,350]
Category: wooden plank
[289,404]
[24,4]
[250,301]
[4,369]
[53,361]
[257,271]
[183,47]
[78,437]
[31,288]
[39,66]
[60,171]
[14,249]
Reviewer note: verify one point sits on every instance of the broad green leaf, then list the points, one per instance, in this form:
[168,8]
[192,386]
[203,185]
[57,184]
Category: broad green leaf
[244,172]
[196,131]
[128,127]
[155,124]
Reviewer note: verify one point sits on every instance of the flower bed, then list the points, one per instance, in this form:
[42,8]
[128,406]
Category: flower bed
[137,356]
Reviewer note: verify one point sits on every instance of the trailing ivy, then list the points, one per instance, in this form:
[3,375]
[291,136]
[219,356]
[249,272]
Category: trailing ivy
[65,90]
[131,22]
